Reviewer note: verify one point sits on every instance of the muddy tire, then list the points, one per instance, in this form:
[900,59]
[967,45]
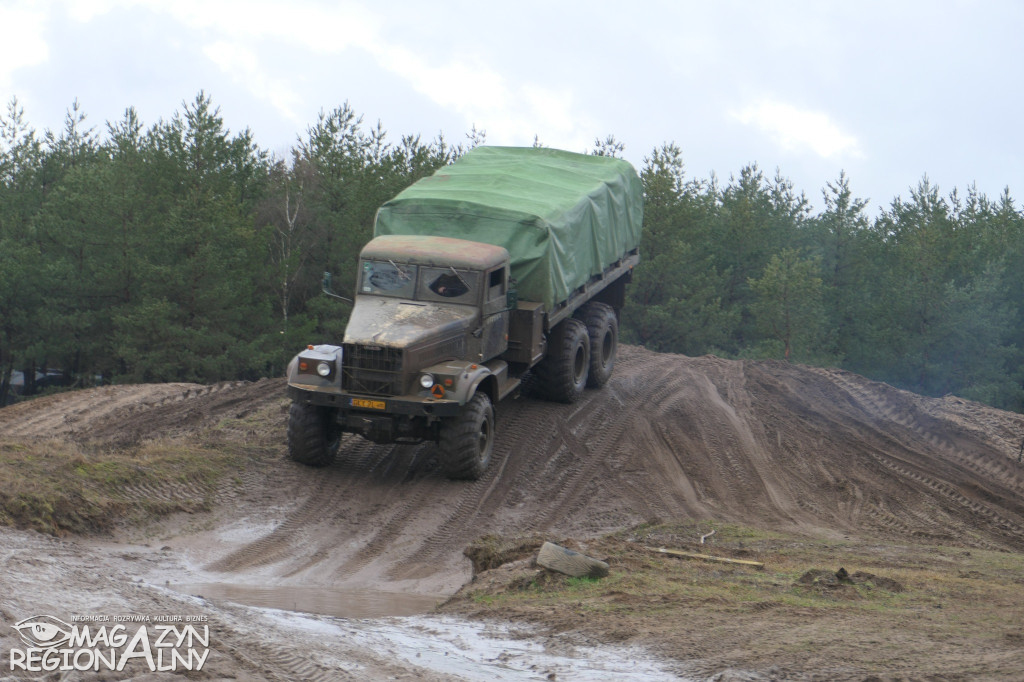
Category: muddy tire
[557,558]
[603,329]
[313,435]
[562,374]
[467,441]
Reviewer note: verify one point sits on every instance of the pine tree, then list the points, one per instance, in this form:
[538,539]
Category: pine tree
[788,310]
[676,295]
[22,266]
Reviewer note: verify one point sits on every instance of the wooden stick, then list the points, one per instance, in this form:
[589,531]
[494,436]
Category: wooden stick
[706,557]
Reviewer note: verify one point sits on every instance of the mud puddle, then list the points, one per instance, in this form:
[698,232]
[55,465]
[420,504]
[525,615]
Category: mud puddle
[471,650]
[321,601]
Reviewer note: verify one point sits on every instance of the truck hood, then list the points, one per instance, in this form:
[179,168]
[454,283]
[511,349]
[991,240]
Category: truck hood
[396,322]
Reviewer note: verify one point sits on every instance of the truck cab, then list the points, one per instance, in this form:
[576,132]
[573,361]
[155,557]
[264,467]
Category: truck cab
[435,296]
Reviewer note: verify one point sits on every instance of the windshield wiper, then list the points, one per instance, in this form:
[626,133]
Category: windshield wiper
[401,273]
[464,282]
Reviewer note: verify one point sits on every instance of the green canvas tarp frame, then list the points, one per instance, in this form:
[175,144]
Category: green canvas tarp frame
[563,217]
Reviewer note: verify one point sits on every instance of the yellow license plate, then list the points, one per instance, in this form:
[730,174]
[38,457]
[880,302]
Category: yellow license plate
[369,404]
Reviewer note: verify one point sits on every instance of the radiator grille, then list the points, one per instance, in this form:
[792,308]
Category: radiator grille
[374,370]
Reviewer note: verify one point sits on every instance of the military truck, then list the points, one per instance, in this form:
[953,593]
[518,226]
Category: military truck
[508,262]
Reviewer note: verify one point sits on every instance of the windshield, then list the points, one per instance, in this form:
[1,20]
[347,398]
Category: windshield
[419,282]
[448,284]
[387,278]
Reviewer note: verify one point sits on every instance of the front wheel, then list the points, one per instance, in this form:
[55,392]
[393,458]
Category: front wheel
[467,441]
[313,435]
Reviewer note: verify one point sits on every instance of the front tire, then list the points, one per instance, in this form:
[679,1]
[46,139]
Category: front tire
[467,441]
[562,374]
[313,435]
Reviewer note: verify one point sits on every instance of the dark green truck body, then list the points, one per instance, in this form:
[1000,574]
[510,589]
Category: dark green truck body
[562,217]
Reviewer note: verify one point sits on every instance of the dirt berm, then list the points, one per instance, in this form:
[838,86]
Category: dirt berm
[816,453]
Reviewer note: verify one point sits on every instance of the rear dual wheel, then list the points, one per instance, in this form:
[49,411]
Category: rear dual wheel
[603,329]
[562,375]
[581,353]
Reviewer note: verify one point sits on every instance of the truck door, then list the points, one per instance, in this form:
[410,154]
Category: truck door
[496,314]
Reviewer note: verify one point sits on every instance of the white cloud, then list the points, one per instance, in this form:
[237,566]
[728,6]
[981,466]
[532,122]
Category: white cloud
[455,85]
[323,28]
[240,38]
[239,30]
[510,112]
[799,129]
[86,10]
[23,43]
[244,66]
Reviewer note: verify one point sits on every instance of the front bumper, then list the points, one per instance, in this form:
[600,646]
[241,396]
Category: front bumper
[406,406]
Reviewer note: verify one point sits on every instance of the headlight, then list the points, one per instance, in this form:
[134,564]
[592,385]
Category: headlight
[324,369]
[426,380]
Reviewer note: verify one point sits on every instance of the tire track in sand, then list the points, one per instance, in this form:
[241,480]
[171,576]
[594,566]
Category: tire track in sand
[476,499]
[332,488]
[939,434]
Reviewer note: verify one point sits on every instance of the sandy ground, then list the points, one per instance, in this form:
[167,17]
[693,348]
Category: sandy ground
[823,453]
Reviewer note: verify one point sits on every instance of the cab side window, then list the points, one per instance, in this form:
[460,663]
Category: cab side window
[496,284]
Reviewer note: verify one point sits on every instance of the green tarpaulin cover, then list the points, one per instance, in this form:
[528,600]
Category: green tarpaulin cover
[563,217]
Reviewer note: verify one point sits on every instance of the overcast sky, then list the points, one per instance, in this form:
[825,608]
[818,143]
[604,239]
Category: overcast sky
[887,91]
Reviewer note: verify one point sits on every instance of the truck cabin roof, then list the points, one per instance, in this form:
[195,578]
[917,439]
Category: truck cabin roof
[435,251]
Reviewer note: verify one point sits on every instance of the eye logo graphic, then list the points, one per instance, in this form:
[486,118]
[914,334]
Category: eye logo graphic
[44,632]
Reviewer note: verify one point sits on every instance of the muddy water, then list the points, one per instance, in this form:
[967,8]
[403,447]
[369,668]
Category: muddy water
[463,650]
[321,601]
[441,645]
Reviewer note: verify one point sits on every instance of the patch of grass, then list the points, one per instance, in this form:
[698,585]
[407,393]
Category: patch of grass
[689,532]
[923,585]
[60,487]
[582,583]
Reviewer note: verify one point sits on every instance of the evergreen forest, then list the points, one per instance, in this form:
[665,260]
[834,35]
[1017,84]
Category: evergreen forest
[181,251]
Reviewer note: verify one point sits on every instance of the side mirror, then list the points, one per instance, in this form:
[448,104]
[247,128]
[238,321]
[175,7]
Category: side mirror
[325,286]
